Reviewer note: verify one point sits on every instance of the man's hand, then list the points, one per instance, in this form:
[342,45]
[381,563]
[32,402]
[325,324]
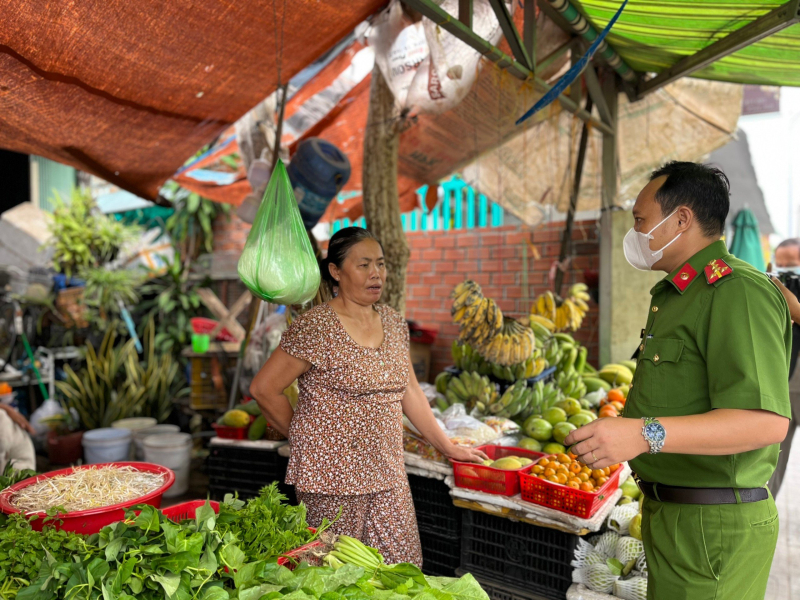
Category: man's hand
[21,421]
[608,441]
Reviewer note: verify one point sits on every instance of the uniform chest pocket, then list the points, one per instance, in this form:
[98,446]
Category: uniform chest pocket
[659,373]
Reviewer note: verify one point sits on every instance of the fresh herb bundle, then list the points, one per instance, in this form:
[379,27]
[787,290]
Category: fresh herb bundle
[266,526]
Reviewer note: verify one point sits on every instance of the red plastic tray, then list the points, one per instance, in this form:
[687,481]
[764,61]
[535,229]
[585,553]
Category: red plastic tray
[566,499]
[187,510]
[93,520]
[203,325]
[232,433]
[490,480]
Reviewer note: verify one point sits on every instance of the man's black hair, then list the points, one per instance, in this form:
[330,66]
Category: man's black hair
[789,243]
[702,188]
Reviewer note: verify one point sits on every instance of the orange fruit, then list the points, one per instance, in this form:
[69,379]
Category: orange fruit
[548,472]
[564,459]
[574,468]
[572,455]
[601,481]
[574,485]
[616,395]
[618,405]
[553,464]
[562,478]
[537,469]
[583,477]
[543,461]
[586,487]
[597,473]
[614,468]
[553,479]
[607,471]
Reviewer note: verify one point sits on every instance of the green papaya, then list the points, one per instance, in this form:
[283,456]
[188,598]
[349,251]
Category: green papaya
[258,428]
[251,408]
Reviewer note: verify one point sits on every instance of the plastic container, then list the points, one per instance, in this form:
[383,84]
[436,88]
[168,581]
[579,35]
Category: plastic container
[93,520]
[134,424]
[534,560]
[172,450]
[140,435]
[497,590]
[490,480]
[318,171]
[441,554]
[203,325]
[245,471]
[200,343]
[566,499]
[105,445]
[436,513]
[232,433]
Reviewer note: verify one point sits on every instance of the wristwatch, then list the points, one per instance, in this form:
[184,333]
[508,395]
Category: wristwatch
[654,434]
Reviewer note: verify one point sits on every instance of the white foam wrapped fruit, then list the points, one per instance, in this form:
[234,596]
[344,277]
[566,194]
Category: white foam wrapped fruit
[634,588]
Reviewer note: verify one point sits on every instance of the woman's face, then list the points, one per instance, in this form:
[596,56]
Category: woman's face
[362,274]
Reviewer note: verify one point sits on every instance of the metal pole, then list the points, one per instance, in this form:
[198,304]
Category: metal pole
[566,239]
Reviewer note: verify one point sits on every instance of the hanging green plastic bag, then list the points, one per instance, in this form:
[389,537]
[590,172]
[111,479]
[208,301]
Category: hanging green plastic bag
[278,263]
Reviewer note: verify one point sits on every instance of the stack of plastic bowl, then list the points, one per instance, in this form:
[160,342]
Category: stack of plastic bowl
[174,451]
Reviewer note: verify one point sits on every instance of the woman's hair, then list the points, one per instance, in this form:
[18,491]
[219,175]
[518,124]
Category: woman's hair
[338,247]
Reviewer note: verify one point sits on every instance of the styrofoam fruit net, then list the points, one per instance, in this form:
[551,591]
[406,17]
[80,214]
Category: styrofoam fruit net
[606,543]
[634,588]
[628,549]
[598,578]
[621,516]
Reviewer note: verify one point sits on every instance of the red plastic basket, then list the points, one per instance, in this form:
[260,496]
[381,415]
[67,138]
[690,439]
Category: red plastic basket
[232,433]
[566,499]
[203,325]
[188,510]
[92,520]
[491,480]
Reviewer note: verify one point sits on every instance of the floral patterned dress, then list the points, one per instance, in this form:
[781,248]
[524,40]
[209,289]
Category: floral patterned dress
[347,431]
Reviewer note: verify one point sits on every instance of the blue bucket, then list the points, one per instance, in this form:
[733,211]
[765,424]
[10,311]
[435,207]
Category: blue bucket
[318,171]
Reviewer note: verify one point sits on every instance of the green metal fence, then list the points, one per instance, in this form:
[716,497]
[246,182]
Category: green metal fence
[459,207]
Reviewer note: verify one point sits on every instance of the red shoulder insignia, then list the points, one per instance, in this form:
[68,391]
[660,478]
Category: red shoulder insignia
[716,270]
[684,277]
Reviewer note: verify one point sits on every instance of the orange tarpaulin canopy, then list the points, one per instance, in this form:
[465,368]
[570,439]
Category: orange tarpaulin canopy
[130,90]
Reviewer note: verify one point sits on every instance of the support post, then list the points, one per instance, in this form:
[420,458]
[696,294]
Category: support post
[566,238]
[529,32]
[465,12]
[379,184]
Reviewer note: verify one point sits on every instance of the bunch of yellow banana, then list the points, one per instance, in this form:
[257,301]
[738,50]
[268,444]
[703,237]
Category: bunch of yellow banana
[479,317]
[513,345]
[562,314]
[546,305]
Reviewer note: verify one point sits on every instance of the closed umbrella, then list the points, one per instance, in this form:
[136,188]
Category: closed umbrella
[746,243]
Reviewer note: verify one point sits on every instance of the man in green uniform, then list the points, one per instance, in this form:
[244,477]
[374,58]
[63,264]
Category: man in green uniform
[709,402]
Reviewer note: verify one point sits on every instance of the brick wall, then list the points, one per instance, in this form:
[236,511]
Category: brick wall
[494,259]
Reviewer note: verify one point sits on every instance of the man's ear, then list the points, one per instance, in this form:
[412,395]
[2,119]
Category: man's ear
[685,218]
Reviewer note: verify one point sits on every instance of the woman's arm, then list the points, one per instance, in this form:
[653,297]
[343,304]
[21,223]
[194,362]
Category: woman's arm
[267,388]
[418,411]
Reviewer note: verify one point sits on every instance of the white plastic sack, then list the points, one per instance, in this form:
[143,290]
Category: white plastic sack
[428,69]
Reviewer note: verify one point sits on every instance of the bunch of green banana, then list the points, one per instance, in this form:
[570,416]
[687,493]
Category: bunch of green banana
[513,345]
[466,358]
[478,317]
[472,390]
[571,383]
[616,374]
[512,402]
[541,397]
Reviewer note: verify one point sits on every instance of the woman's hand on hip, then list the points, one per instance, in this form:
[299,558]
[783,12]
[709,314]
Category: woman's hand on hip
[462,454]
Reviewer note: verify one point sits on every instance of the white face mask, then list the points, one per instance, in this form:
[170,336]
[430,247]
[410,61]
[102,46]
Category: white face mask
[636,247]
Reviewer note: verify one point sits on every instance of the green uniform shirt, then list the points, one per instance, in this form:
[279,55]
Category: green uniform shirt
[718,335]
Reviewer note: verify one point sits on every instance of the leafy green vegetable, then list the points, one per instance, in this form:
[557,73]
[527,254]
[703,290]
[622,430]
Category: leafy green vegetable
[281,527]
[10,475]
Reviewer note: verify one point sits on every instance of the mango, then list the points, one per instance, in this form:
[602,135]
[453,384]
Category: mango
[509,463]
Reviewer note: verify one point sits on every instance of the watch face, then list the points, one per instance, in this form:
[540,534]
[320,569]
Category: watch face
[655,432]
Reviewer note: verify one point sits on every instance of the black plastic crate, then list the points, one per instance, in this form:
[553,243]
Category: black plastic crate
[500,591]
[434,506]
[441,555]
[518,554]
[245,471]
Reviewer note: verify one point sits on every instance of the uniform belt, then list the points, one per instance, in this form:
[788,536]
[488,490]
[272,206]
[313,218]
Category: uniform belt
[684,495]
